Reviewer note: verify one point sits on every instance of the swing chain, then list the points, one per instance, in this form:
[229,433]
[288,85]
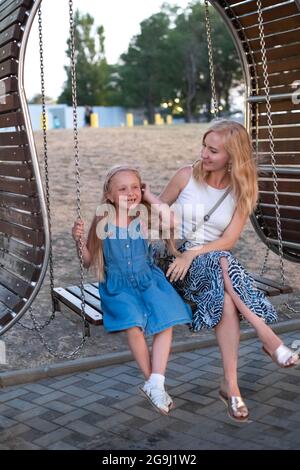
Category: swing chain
[76,159]
[211,60]
[36,326]
[272,146]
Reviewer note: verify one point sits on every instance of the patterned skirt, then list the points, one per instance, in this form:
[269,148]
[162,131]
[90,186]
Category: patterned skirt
[204,287]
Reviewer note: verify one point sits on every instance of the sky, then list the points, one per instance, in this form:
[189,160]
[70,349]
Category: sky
[120,18]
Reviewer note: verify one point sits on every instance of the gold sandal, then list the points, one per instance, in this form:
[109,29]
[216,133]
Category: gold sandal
[282,354]
[234,405]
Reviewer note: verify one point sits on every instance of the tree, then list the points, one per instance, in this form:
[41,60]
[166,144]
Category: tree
[37,99]
[142,70]
[93,72]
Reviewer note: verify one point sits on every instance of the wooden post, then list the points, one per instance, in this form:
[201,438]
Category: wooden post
[169,119]
[129,120]
[94,120]
[158,120]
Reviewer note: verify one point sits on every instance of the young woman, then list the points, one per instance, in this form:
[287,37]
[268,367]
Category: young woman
[206,273]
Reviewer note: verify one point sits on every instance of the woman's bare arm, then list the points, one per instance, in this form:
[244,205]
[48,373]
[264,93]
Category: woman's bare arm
[177,183]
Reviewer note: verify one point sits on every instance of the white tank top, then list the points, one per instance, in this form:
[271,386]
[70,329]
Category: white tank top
[193,203]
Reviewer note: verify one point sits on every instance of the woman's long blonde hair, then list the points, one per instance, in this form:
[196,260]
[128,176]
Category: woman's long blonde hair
[94,243]
[243,171]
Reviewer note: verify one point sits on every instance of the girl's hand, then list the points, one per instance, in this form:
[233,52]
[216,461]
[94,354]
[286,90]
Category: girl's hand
[78,230]
[180,266]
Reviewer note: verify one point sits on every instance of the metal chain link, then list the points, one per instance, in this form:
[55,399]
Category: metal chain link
[211,60]
[272,145]
[76,158]
[36,326]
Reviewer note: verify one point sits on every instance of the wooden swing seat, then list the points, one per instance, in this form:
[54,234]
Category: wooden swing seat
[71,297]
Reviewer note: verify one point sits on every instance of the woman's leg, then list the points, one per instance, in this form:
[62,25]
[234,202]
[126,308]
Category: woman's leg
[139,348]
[161,350]
[228,337]
[269,339]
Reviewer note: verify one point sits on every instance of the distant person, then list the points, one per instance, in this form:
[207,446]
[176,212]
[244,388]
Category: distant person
[135,294]
[87,115]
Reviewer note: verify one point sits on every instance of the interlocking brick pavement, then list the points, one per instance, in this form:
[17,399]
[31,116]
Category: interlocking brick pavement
[103,409]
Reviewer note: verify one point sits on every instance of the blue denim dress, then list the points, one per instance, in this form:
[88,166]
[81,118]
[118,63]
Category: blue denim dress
[135,291]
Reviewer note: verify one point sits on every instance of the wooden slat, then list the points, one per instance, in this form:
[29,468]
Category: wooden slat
[29,204]
[282,105]
[285,211]
[17,16]
[10,299]
[7,68]
[285,199]
[292,63]
[282,24]
[281,159]
[21,268]
[5,316]
[273,40]
[279,11]
[8,86]
[283,185]
[89,299]
[287,236]
[280,132]
[93,290]
[280,146]
[33,221]
[276,81]
[280,119]
[11,120]
[29,236]
[14,33]
[11,103]
[284,173]
[283,52]
[267,290]
[16,170]
[16,4]
[250,6]
[18,186]
[13,138]
[287,224]
[15,284]
[9,51]
[10,154]
[29,253]
[271,283]
[92,315]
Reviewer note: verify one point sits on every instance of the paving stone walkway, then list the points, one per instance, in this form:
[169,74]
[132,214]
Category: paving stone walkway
[102,409]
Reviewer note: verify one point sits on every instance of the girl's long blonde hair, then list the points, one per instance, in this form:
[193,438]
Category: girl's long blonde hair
[243,173]
[94,243]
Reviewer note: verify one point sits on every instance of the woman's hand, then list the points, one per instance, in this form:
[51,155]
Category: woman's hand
[78,230]
[180,266]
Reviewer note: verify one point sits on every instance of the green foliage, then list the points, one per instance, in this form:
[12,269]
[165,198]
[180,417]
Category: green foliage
[167,62]
[94,85]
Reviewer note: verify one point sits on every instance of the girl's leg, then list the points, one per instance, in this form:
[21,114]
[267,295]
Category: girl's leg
[161,350]
[139,348]
[228,337]
[269,339]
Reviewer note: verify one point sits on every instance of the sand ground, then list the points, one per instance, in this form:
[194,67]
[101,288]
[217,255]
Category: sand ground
[157,152]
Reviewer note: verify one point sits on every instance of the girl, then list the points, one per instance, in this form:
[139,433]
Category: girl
[135,295]
[206,273]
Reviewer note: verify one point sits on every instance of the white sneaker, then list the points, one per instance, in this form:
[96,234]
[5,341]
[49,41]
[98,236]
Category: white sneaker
[158,398]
